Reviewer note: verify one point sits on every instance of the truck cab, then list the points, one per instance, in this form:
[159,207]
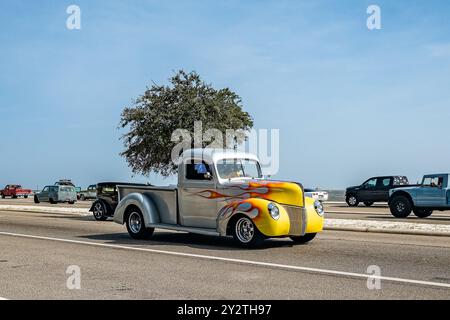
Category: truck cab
[221,193]
[375,189]
[432,194]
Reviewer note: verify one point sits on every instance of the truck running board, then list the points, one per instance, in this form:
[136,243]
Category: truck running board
[207,232]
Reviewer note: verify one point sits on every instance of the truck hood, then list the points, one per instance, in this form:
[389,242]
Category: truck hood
[287,193]
[353,188]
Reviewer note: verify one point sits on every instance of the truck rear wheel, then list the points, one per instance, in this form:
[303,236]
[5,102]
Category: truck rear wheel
[52,201]
[368,203]
[99,211]
[303,239]
[422,212]
[352,200]
[246,234]
[400,206]
[136,225]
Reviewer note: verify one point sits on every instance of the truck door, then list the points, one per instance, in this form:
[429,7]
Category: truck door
[368,190]
[433,192]
[198,207]
[382,189]
[43,196]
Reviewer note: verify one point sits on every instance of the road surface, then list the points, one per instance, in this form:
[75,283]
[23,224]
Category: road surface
[37,249]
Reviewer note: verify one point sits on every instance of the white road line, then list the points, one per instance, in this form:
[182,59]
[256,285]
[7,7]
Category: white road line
[3,298]
[238,261]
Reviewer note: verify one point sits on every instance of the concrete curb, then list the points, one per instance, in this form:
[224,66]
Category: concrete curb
[374,230]
[38,209]
[392,227]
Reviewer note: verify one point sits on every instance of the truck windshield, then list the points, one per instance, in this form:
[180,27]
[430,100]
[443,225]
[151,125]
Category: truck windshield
[238,168]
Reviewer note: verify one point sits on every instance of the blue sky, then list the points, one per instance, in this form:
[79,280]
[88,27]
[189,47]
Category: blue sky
[349,102]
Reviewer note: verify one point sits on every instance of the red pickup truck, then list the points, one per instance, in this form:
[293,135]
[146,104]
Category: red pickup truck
[14,191]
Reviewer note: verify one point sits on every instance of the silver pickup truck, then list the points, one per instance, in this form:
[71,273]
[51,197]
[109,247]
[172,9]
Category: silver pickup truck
[221,193]
[432,194]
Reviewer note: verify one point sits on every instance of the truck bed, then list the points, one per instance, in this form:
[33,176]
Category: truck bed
[164,198]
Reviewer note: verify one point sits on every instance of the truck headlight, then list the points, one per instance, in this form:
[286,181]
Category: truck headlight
[318,206]
[273,210]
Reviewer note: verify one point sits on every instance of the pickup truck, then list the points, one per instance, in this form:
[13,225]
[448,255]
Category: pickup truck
[15,191]
[221,193]
[432,194]
[89,193]
[373,190]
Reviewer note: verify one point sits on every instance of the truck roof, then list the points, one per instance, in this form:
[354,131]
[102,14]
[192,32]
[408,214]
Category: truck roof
[213,155]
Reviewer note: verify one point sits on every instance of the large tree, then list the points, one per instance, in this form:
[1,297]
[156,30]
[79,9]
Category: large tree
[162,109]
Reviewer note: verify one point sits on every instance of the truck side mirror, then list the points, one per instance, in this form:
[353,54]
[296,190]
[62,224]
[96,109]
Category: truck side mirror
[208,176]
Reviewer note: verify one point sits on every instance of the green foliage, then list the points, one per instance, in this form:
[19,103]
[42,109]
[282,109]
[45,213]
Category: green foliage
[161,110]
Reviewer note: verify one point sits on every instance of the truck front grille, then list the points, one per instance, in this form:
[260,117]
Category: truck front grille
[297,218]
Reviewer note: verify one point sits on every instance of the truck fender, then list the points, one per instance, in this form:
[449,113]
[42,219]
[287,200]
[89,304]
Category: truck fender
[401,193]
[256,210]
[141,201]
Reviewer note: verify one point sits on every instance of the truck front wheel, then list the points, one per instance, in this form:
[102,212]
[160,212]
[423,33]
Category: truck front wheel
[246,234]
[422,212]
[136,226]
[400,207]
[36,199]
[352,200]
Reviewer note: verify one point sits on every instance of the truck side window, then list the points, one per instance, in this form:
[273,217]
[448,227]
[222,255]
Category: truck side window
[196,170]
[386,182]
[371,183]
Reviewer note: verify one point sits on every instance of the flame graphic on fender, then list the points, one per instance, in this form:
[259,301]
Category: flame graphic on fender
[246,191]
[243,206]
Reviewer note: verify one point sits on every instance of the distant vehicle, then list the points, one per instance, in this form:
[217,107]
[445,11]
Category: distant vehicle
[89,193]
[432,194]
[107,199]
[375,189]
[56,194]
[78,191]
[64,182]
[316,194]
[15,191]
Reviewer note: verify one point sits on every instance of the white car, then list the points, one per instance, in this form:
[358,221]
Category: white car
[317,194]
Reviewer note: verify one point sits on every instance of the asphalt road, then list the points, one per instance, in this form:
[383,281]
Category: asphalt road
[37,249]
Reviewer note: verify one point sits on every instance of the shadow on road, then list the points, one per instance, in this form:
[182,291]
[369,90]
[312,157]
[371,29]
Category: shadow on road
[184,239]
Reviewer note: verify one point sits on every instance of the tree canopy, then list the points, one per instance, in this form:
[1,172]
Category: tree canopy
[162,109]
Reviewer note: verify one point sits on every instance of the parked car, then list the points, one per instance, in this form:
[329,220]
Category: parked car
[107,199]
[373,190]
[221,193]
[15,191]
[316,194]
[432,194]
[89,193]
[56,194]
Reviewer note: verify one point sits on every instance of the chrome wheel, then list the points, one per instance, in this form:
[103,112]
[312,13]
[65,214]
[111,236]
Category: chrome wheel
[135,222]
[245,230]
[352,200]
[98,210]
